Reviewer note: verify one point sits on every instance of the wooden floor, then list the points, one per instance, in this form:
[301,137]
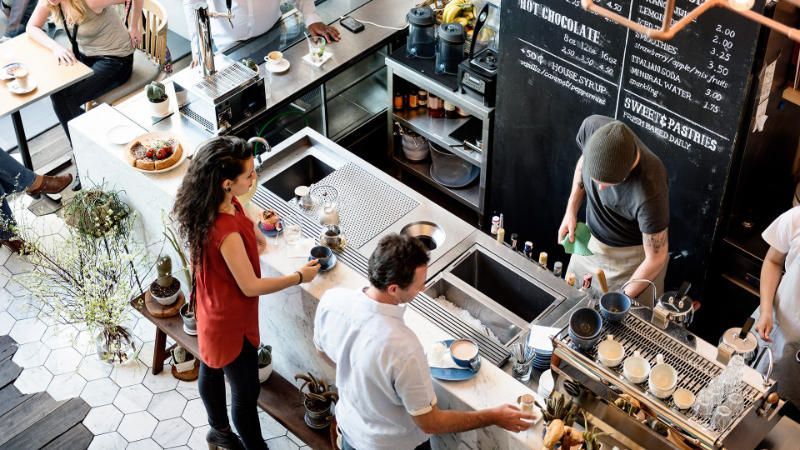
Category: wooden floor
[31,421]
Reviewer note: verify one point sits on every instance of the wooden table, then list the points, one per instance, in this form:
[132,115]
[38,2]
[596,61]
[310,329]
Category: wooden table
[44,71]
[279,398]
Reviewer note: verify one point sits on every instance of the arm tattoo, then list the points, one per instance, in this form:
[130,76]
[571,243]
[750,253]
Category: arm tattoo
[655,241]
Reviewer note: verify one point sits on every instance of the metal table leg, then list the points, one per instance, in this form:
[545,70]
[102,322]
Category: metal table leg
[22,141]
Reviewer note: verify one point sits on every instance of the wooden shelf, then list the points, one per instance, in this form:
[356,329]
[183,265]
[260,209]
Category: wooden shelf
[439,130]
[468,196]
[792,95]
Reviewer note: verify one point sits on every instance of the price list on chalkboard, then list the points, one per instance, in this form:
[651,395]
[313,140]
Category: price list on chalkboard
[683,97]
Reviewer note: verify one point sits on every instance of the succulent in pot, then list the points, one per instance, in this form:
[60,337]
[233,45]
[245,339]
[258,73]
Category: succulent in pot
[182,360]
[318,397]
[264,362]
[157,95]
[166,288]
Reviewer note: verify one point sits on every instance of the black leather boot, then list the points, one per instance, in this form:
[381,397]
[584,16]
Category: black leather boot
[218,440]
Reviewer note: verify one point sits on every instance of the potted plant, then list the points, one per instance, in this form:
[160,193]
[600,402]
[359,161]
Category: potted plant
[157,94]
[264,362]
[182,360]
[318,397]
[89,272]
[187,311]
[166,288]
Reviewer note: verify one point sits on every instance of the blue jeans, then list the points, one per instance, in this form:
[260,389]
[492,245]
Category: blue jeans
[109,73]
[14,177]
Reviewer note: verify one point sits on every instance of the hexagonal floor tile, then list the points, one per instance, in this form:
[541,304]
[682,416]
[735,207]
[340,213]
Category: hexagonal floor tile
[172,433]
[7,322]
[34,379]
[197,440]
[31,354]
[23,308]
[282,443]
[144,444]
[99,392]
[102,420]
[16,289]
[129,374]
[295,439]
[195,413]
[92,368]
[63,360]
[84,343]
[270,428]
[108,441]
[167,405]
[146,354]
[5,297]
[59,336]
[64,386]
[18,265]
[131,399]
[162,382]
[145,330]
[5,276]
[188,389]
[137,426]
[27,330]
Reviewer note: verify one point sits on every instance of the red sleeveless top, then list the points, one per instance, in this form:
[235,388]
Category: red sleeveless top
[225,316]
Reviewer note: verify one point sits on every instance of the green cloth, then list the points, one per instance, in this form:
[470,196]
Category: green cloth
[581,245]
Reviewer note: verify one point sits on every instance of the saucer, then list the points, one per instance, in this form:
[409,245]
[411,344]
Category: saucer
[453,374]
[271,233]
[331,264]
[325,57]
[282,66]
[122,134]
[4,71]
[14,88]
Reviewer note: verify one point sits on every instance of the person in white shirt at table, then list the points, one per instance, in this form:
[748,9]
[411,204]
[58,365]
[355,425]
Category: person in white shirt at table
[386,398]
[251,18]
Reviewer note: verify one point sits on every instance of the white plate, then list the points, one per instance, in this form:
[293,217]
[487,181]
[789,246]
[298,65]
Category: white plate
[14,88]
[282,66]
[180,161]
[122,134]
[325,57]
[4,75]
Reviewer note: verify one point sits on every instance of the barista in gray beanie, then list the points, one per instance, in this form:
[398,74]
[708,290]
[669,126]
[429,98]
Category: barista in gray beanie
[627,208]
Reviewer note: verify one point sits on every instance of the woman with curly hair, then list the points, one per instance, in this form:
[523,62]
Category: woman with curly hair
[225,246]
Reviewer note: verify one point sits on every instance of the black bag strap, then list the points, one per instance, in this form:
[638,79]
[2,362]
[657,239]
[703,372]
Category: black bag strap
[73,38]
[128,6]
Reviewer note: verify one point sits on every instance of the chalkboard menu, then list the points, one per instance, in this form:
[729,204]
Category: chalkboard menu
[684,98]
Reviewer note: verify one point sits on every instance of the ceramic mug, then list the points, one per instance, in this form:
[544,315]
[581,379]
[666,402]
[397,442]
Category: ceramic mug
[683,398]
[663,378]
[636,369]
[322,254]
[274,58]
[610,352]
[21,75]
[465,353]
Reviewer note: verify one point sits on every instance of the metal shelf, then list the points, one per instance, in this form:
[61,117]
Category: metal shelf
[468,196]
[439,130]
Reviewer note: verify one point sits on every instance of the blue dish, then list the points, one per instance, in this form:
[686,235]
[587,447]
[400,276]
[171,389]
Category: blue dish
[271,233]
[452,374]
[331,263]
[614,306]
[585,325]
[455,183]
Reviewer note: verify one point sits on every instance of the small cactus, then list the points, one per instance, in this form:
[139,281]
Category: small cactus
[156,92]
[179,354]
[164,268]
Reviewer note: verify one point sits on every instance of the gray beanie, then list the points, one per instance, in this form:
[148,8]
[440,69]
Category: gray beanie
[610,153]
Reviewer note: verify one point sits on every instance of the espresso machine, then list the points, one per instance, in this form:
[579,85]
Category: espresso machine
[222,93]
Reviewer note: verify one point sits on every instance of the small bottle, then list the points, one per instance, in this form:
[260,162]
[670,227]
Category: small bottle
[435,106]
[495,225]
[558,268]
[571,279]
[450,110]
[412,100]
[528,249]
[543,259]
[514,240]
[501,235]
[422,98]
[398,100]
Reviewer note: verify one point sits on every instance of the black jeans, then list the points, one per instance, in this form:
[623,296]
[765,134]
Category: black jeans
[242,375]
[424,446]
[109,72]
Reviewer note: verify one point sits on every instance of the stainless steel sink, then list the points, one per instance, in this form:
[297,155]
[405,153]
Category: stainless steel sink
[304,172]
[431,235]
[506,285]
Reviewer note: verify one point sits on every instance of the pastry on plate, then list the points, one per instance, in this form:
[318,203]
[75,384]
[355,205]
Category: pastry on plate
[154,152]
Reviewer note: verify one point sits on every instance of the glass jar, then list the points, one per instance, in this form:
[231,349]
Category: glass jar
[435,106]
[450,110]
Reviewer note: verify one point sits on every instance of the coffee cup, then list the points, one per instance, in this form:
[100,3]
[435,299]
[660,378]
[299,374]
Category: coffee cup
[322,254]
[610,352]
[274,58]
[21,75]
[683,398]
[635,368]
[465,353]
[663,378]
[585,325]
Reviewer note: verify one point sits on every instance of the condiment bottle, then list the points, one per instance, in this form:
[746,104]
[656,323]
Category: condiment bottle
[450,110]
[422,98]
[412,100]
[495,225]
[543,259]
[558,268]
[514,240]
[398,101]
[570,279]
[528,249]
[587,281]
[435,106]
[501,235]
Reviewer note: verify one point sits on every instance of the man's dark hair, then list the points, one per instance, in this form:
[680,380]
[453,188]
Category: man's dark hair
[395,260]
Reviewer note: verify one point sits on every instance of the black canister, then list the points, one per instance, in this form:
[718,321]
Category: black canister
[450,48]
[421,41]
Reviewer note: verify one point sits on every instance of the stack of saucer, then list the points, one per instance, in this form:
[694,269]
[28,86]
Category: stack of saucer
[546,384]
[540,341]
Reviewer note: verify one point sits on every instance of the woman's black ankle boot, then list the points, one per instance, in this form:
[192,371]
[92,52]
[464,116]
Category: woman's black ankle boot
[218,440]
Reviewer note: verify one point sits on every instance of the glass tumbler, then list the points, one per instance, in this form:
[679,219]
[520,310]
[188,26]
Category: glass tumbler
[723,416]
[735,402]
[704,404]
[293,234]
[316,48]
[717,390]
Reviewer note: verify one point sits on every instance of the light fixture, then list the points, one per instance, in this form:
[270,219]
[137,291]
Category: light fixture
[668,29]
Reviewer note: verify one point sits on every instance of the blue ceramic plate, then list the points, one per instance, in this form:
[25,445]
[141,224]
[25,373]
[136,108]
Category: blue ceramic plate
[278,229]
[331,263]
[451,374]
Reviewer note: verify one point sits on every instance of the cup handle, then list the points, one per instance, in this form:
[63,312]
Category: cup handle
[610,337]
[660,358]
[475,364]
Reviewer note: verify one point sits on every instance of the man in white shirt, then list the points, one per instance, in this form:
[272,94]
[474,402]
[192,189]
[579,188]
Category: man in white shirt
[386,398]
[251,18]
